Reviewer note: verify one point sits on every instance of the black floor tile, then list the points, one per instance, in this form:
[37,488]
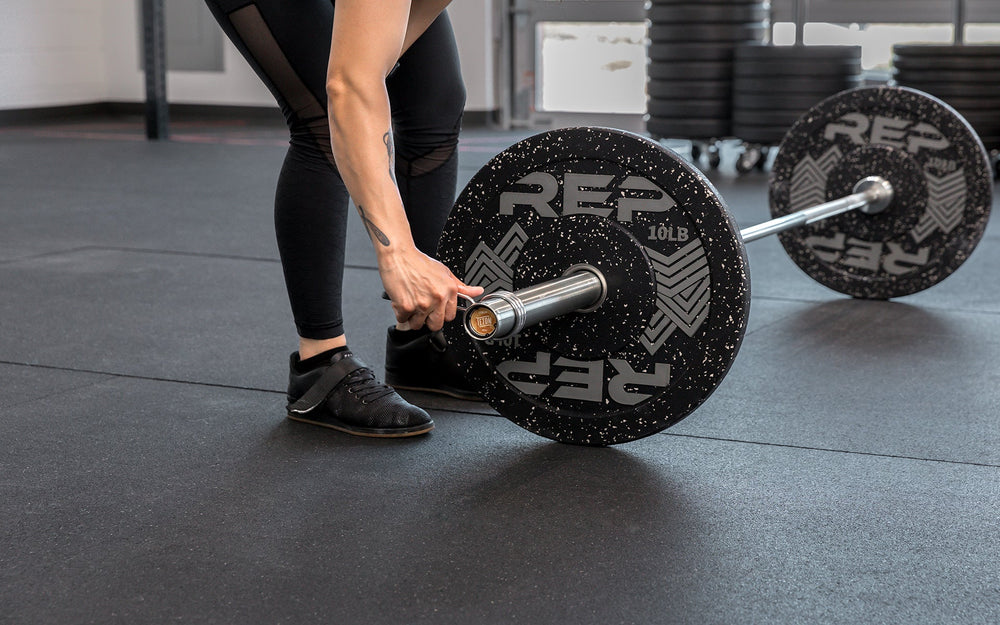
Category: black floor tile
[869,377]
[203,198]
[845,471]
[141,501]
[201,319]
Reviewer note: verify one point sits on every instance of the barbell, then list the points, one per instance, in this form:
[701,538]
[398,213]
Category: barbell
[583,288]
[617,288]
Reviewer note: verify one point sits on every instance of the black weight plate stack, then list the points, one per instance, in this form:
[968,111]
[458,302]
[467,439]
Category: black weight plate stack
[676,271]
[690,67]
[773,85]
[940,177]
[965,76]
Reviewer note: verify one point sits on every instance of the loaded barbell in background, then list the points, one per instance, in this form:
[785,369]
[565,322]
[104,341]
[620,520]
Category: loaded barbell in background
[617,287]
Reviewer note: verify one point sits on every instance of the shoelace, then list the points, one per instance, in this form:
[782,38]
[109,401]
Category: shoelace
[363,385]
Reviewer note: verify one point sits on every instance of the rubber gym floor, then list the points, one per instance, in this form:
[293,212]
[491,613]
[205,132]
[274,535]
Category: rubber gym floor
[847,470]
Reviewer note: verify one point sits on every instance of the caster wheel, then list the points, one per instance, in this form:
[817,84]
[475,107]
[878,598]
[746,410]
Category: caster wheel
[750,158]
[762,163]
[714,158]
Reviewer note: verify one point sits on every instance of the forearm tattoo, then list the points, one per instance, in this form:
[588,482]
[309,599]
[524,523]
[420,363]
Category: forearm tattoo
[373,230]
[391,152]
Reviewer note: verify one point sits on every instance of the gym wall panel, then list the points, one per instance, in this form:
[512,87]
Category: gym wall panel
[52,53]
[194,39]
[473,21]
[235,85]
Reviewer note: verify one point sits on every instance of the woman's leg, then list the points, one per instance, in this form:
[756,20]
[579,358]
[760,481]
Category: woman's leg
[287,44]
[428,97]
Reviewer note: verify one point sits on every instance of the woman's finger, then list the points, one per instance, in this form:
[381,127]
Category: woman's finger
[451,307]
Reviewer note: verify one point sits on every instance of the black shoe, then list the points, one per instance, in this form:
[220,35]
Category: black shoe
[344,395]
[419,360]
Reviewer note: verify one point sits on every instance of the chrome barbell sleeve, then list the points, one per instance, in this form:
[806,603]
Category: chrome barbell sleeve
[871,195]
[503,313]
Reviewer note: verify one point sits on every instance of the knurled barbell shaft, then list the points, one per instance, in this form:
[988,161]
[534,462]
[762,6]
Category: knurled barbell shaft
[871,195]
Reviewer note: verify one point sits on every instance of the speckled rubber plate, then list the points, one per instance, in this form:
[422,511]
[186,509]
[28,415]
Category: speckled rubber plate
[678,285]
[941,180]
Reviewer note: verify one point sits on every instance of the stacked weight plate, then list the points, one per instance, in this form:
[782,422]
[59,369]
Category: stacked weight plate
[965,76]
[774,85]
[691,62]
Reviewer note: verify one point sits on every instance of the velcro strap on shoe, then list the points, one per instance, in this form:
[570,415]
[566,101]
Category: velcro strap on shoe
[339,369]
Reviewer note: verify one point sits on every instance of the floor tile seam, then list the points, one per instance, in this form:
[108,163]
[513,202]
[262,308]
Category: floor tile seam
[170,252]
[182,138]
[147,378]
[187,253]
[60,252]
[114,375]
[765,326]
[167,252]
[102,378]
[109,375]
[834,451]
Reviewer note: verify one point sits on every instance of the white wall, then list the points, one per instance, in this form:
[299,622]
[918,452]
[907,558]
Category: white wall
[61,52]
[51,53]
[474,26]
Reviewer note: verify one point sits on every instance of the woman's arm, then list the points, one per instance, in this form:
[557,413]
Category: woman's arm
[368,38]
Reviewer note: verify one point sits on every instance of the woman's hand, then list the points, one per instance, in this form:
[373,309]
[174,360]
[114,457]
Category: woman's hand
[422,290]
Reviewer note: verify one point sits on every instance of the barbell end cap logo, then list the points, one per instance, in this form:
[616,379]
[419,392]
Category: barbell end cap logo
[481,322]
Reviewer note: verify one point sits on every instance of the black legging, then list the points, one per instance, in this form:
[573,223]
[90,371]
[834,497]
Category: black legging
[287,42]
